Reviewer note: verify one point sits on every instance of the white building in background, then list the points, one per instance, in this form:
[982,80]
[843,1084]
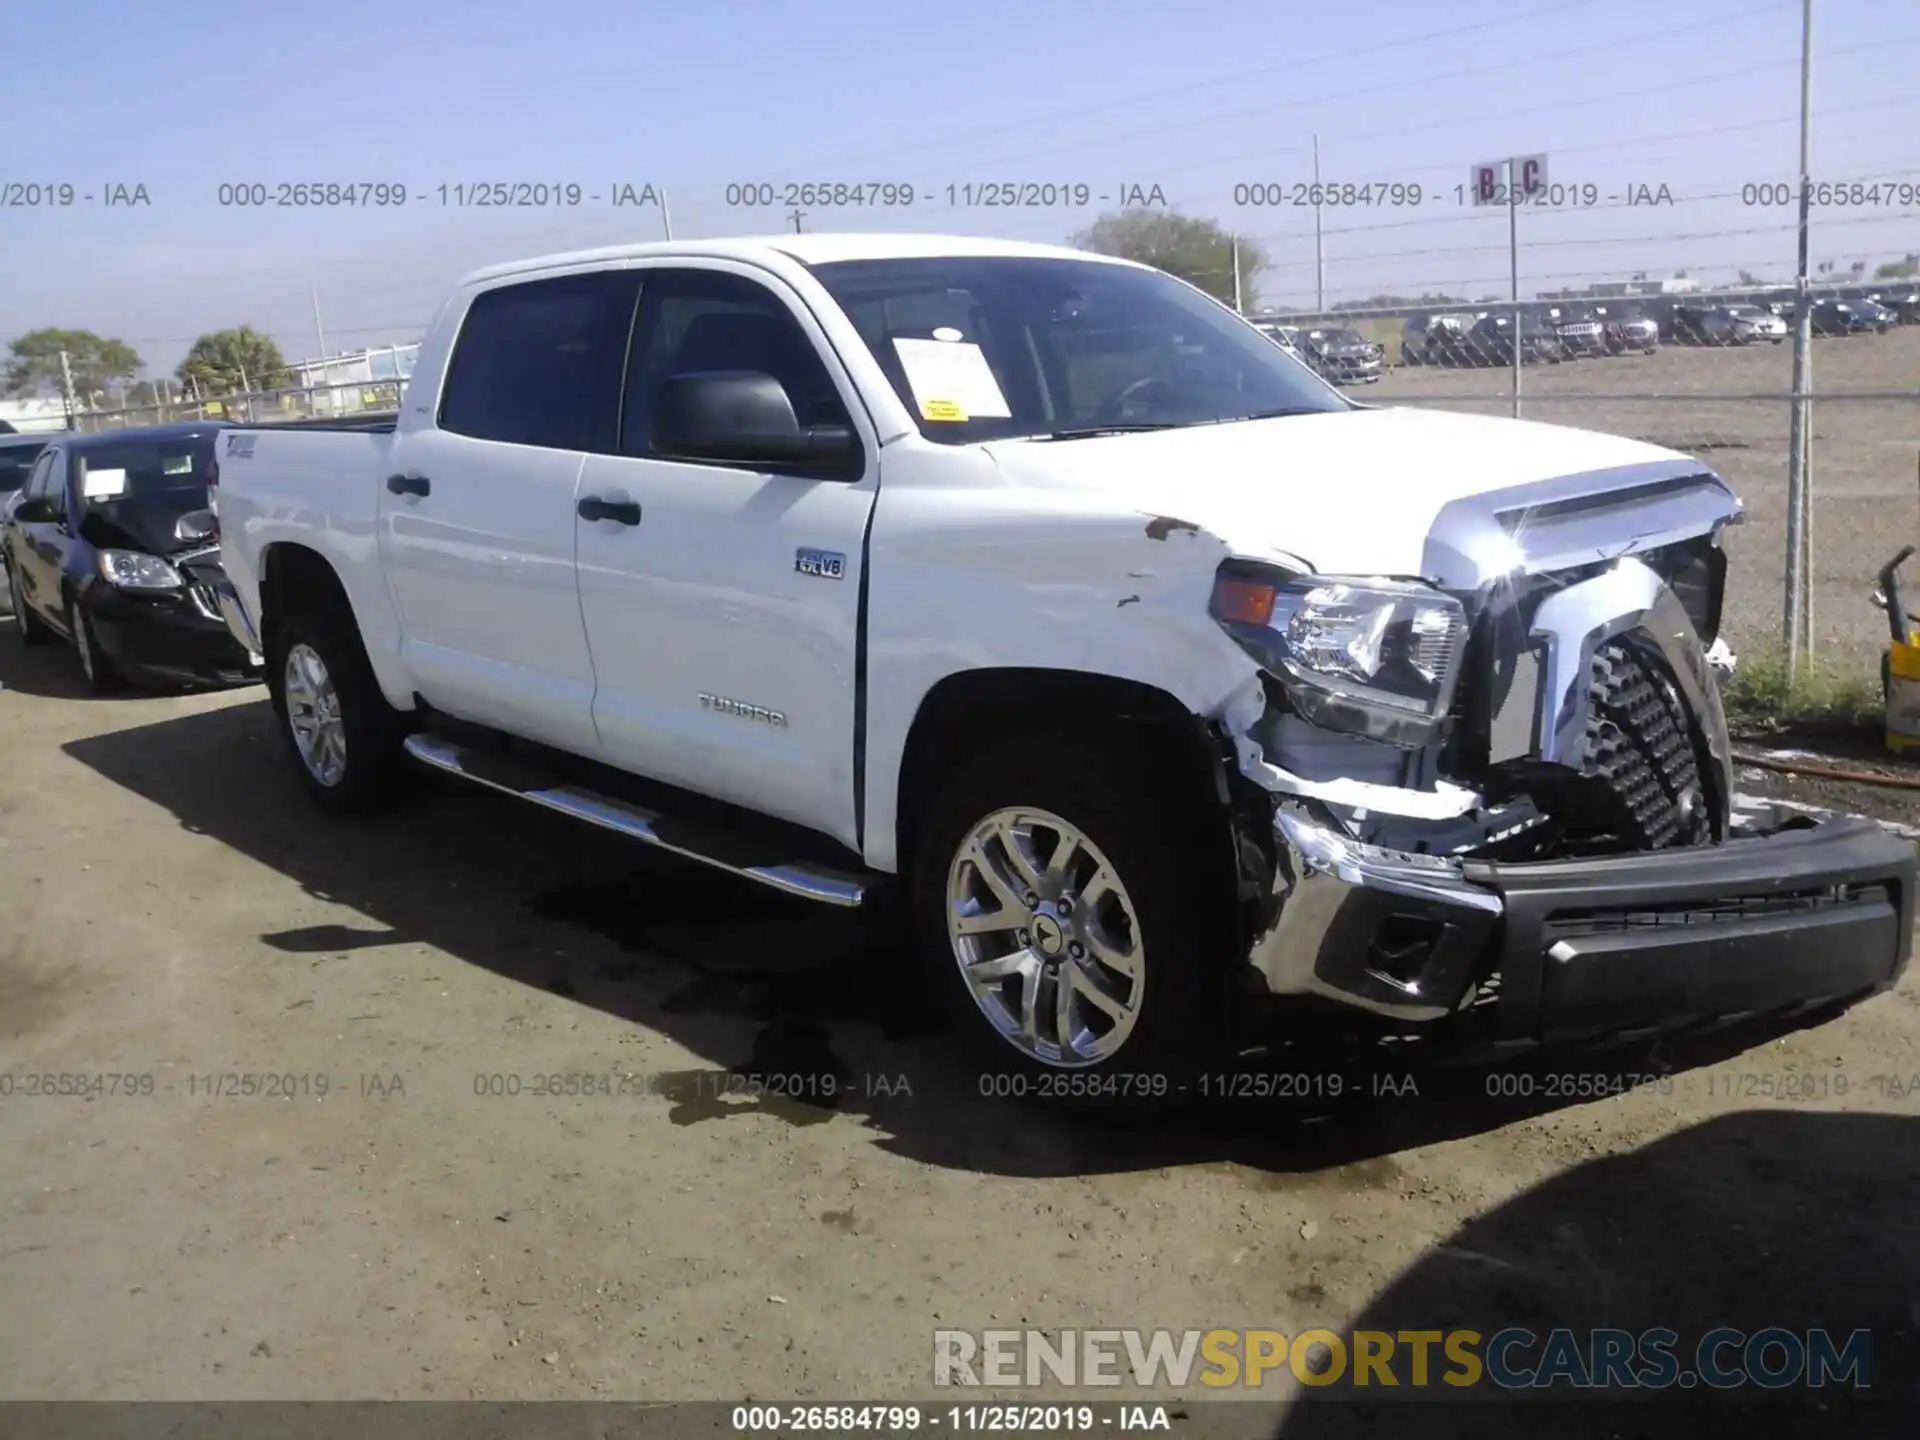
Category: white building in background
[35,413]
[355,367]
[357,380]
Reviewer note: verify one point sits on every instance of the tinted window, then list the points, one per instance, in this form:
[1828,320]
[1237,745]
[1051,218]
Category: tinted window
[700,321]
[526,366]
[16,463]
[1043,345]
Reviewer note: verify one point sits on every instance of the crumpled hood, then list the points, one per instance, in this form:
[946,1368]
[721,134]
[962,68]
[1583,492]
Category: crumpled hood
[1352,492]
[132,525]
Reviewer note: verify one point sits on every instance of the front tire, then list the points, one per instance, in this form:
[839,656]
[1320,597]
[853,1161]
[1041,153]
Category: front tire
[1066,911]
[31,629]
[102,678]
[343,737]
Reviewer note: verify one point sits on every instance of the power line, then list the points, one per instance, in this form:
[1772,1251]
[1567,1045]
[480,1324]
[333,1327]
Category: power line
[1214,82]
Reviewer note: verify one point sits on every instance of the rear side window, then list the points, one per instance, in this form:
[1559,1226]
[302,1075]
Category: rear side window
[16,463]
[528,368]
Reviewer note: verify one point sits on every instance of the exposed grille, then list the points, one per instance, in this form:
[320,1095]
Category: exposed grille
[204,598]
[1641,753]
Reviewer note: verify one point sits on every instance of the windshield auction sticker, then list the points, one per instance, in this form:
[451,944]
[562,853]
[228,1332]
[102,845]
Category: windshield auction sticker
[103,484]
[951,380]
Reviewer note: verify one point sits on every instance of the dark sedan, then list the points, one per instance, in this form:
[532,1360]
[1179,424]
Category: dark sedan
[110,546]
[1843,317]
[1905,305]
[1491,341]
[17,454]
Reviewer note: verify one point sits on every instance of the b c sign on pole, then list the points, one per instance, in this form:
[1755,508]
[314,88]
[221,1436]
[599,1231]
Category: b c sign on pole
[1488,182]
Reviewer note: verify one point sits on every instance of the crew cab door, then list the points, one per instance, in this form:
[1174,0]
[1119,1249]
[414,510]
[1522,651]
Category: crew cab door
[722,603]
[476,514]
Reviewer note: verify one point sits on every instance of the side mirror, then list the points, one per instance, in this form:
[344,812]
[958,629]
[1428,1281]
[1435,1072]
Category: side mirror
[744,416]
[37,511]
[196,525]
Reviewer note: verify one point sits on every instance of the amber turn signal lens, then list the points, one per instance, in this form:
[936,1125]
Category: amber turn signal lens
[1248,601]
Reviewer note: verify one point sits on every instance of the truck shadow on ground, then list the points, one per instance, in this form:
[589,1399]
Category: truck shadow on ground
[1767,1218]
[802,1011]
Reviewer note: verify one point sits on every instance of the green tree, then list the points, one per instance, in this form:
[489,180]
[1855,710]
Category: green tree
[229,361]
[97,363]
[1898,269]
[1198,251]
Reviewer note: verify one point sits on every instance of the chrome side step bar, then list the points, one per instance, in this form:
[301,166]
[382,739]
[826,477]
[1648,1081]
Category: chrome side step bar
[709,846]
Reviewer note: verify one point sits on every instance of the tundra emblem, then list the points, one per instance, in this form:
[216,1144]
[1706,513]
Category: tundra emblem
[823,564]
[723,706]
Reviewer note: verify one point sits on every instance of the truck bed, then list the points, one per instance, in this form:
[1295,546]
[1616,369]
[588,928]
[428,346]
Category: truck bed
[379,423]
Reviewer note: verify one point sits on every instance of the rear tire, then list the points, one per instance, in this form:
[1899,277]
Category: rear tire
[342,736]
[31,629]
[1045,866]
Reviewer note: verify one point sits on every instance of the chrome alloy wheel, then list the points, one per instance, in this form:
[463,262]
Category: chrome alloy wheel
[1046,938]
[313,715]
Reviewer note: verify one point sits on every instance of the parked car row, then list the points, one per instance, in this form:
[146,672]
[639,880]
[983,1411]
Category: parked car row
[1555,331]
[108,544]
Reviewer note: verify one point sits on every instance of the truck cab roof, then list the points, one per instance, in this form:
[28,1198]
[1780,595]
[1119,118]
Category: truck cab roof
[813,249]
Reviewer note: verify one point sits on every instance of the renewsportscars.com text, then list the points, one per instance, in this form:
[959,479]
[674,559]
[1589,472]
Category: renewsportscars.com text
[1512,1358]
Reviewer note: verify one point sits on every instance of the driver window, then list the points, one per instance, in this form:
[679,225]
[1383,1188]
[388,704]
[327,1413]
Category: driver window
[694,321]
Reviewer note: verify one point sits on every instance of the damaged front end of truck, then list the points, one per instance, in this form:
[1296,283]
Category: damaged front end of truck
[1502,789]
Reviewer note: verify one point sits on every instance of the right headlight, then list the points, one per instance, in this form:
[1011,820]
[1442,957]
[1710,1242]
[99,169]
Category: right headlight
[1372,657]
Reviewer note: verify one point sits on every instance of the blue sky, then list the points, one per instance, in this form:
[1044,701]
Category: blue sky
[1697,95]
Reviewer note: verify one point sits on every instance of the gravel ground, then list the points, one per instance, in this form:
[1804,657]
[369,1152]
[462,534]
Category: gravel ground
[1866,458]
[176,913]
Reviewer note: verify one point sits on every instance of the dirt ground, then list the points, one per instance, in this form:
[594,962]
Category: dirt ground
[179,925]
[1865,470]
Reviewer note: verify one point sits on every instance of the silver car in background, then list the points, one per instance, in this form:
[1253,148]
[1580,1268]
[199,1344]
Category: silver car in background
[1766,324]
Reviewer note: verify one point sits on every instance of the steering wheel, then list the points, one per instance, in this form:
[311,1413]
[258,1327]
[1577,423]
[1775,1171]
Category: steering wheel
[1116,407]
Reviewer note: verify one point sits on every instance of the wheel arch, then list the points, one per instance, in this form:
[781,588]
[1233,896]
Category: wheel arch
[296,577]
[972,711]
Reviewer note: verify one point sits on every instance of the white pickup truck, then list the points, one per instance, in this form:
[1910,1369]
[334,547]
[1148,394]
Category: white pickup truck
[1161,677]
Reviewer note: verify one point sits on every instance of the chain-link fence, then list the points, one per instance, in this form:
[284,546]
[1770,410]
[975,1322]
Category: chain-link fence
[1863,464]
[368,401]
[1708,375]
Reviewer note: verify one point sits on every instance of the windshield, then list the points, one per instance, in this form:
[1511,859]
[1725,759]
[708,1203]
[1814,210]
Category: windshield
[992,347]
[157,476]
[1339,337]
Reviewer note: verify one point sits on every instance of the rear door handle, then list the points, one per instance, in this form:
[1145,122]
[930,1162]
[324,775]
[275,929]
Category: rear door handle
[409,485]
[626,512]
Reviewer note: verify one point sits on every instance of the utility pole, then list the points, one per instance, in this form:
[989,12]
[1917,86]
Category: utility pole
[66,386]
[1238,307]
[796,216]
[1513,276]
[666,216]
[1319,253]
[1798,604]
[319,334]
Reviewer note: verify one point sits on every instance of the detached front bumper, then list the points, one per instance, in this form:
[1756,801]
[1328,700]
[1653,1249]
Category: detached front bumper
[1770,921]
